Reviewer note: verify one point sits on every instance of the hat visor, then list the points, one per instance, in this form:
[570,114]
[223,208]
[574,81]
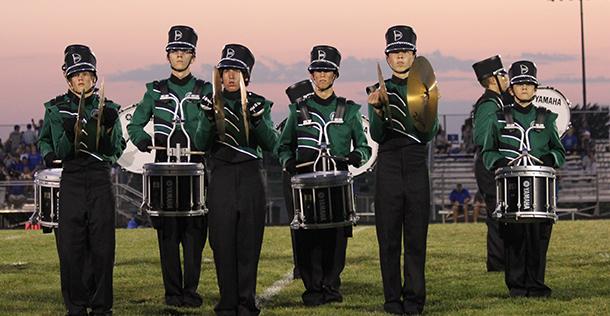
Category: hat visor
[74,69]
[179,46]
[322,65]
[395,47]
[523,79]
[232,63]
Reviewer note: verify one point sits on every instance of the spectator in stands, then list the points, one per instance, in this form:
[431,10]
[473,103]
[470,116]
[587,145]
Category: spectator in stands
[586,144]
[16,195]
[440,141]
[15,139]
[588,163]
[3,177]
[37,127]
[570,141]
[35,159]
[29,136]
[478,204]
[459,198]
[467,137]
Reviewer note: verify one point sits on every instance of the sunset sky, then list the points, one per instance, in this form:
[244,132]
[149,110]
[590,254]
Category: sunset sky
[128,38]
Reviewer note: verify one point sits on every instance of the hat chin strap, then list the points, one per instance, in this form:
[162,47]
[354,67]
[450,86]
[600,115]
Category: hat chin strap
[528,101]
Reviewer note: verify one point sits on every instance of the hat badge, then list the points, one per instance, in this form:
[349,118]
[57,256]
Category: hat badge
[177,35]
[76,58]
[230,53]
[524,69]
[321,54]
[397,35]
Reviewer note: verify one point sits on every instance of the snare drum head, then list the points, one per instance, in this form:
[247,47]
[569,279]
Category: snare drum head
[369,164]
[322,178]
[556,102]
[132,159]
[50,175]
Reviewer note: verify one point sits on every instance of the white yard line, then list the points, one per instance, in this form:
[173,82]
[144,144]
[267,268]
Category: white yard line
[280,284]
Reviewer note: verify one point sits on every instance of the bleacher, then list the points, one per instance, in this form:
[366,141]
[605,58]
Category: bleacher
[575,185]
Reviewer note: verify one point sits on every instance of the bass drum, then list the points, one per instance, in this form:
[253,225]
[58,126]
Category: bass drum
[555,101]
[132,159]
[368,166]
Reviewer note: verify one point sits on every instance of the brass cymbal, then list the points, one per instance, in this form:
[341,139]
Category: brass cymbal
[422,94]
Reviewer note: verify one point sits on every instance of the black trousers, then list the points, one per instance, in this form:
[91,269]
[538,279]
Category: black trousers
[487,186]
[86,237]
[526,247]
[237,223]
[402,213]
[191,232]
[320,260]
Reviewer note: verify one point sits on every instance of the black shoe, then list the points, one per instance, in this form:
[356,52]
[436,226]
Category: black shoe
[175,301]
[296,274]
[192,300]
[393,308]
[311,298]
[332,295]
[517,293]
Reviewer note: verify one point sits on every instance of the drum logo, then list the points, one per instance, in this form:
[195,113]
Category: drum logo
[527,195]
[169,189]
[548,100]
[323,200]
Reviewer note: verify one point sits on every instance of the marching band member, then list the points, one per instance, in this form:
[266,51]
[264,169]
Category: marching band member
[494,78]
[526,244]
[320,256]
[86,232]
[168,100]
[236,195]
[402,194]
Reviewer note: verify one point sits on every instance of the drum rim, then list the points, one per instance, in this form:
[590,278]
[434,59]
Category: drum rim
[173,167]
[321,179]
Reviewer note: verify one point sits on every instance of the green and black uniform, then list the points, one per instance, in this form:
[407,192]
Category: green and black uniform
[484,114]
[321,252]
[402,200]
[525,245]
[236,199]
[165,100]
[85,236]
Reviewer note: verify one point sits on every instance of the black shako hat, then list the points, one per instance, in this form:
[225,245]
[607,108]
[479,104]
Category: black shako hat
[181,37]
[325,58]
[239,57]
[300,91]
[78,58]
[488,67]
[400,37]
[523,71]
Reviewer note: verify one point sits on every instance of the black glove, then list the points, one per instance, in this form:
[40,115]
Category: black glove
[109,117]
[207,105]
[548,160]
[69,127]
[291,166]
[501,163]
[354,158]
[49,158]
[256,110]
[143,145]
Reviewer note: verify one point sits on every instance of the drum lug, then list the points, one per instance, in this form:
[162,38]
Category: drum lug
[296,222]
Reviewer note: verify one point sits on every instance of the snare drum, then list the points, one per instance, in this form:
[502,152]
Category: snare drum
[323,199]
[174,189]
[526,194]
[46,196]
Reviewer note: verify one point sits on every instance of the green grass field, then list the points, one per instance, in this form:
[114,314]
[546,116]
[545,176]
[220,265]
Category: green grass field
[578,271]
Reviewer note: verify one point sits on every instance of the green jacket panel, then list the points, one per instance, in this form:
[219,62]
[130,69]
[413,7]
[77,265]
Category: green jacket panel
[502,143]
[402,124]
[235,147]
[300,142]
[167,108]
[53,138]
[484,114]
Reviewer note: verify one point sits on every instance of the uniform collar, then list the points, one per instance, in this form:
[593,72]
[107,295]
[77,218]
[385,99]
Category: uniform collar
[399,81]
[180,82]
[524,110]
[235,95]
[326,101]
[76,98]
